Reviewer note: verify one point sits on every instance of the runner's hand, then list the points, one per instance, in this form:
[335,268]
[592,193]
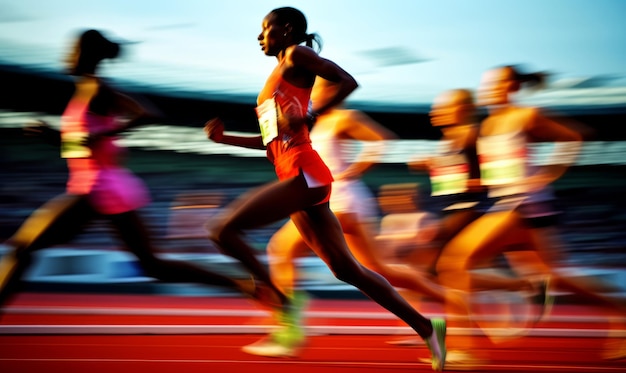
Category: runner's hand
[214,129]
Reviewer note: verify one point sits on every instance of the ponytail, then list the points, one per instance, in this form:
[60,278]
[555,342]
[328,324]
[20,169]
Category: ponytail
[93,47]
[310,38]
[531,80]
[97,46]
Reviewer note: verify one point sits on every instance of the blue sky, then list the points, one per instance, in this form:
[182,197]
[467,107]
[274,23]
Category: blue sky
[400,51]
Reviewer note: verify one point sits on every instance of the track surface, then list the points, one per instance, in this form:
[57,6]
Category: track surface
[129,333]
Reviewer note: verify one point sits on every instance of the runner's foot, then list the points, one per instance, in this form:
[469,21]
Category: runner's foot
[460,360]
[286,341]
[437,344]
[283,343]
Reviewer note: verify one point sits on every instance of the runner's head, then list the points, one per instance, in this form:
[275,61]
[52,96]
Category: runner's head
[88,51]
[453,107]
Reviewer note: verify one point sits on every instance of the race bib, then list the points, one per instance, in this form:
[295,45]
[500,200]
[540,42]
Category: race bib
[72,145]
[503,162]
[268,120]
[449,175]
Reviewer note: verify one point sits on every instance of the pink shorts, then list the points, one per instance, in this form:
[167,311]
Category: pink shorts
[110,190]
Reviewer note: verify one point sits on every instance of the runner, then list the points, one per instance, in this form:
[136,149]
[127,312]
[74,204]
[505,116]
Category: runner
[334,134]
[520,192]
[99,186]
[303,189]
[458,198]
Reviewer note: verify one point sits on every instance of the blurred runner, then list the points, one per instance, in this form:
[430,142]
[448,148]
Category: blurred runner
[99,186]
[461,199]
[522,201]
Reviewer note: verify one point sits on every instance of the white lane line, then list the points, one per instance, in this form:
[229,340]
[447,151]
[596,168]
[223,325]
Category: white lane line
[514,367]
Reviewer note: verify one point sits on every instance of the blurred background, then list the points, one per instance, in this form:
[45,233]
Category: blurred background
[196,60]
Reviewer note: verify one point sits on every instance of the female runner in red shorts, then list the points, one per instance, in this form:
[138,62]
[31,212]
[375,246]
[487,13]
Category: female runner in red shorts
[304,186]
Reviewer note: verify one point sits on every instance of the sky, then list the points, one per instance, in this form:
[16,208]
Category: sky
[400,51]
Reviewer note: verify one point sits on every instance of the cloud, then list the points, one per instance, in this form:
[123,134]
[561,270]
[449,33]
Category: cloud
[586,82]
[392,56]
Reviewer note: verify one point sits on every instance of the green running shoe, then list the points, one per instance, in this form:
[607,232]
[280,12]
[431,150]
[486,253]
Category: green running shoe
[437,344]
[287,340]
[282,343]
[293,313]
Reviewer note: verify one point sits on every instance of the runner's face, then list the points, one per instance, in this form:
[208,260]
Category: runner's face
[71,59]
[495,87]
[445,110]
[271,38]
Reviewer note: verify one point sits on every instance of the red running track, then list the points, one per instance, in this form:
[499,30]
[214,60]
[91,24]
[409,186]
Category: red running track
[127,333]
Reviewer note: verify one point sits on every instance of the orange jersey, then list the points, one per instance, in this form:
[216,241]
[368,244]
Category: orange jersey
[290,150]
[292,101]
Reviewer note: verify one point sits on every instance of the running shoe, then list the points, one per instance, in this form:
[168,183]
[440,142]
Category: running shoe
[437,344]
[460,360]
[292,314]
[290,318]
[286,341]
[283,343]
